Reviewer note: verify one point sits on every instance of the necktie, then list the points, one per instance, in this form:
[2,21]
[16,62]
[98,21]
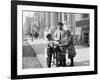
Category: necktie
[60,36]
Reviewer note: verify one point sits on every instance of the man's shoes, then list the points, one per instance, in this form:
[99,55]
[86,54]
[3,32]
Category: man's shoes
[64,65]
[71,65]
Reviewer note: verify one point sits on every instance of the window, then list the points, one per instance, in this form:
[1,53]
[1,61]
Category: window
[85,15]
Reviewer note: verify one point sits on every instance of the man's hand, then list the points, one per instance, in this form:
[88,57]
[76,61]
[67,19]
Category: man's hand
[56,43]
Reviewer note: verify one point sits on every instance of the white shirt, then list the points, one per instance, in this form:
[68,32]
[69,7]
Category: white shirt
[59,34]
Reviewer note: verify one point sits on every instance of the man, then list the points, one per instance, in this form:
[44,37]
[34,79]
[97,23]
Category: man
[58,36]
[59,33]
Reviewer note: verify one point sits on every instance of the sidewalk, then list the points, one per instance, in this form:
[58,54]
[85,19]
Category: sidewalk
[39,47]
[29,59]
[81,59]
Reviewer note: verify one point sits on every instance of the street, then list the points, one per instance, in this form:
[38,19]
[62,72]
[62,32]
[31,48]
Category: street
[33,55]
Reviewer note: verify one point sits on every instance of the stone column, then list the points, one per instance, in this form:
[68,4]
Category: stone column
[47,19]
[73,23]
[41,24]
[69,19]
[53,22]
[62,16]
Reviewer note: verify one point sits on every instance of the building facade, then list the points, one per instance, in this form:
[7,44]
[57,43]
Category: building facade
[77,23]
[84,25]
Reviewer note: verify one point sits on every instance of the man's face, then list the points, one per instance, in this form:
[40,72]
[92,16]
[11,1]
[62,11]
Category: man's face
[60,27]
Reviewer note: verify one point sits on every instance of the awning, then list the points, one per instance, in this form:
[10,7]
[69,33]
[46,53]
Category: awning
[82,23]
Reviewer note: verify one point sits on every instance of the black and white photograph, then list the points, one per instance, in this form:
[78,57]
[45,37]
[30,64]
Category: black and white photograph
[53,40]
